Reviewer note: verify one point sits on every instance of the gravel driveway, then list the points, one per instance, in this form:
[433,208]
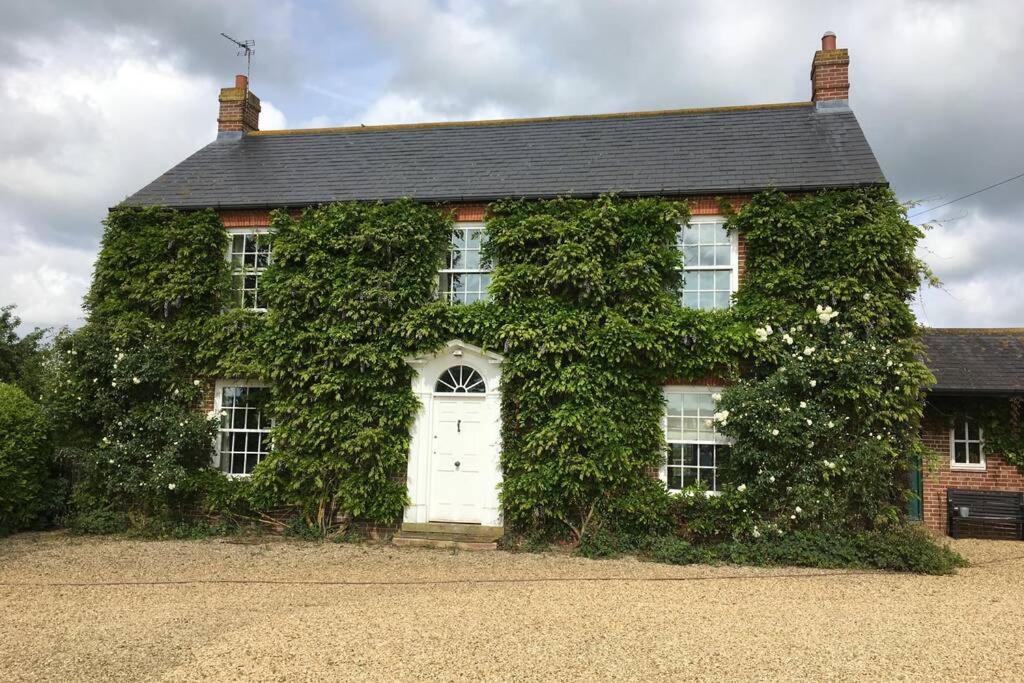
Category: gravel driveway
[86,608]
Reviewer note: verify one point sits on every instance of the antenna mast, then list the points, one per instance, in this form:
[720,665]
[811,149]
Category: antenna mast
[245,47]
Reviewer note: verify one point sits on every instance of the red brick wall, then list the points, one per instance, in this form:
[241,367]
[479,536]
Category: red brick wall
[998,475]
[830,75]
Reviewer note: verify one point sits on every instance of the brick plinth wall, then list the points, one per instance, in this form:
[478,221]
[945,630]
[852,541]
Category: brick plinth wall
[998,474]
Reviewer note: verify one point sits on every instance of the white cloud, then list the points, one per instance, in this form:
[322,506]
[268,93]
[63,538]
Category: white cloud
[46,280]
[396,108]
[271,118]
[84,126]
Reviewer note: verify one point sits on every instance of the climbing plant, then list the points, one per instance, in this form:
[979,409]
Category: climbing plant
[127,397]
[585,293]
[826,419]
[820,346]
[344,281]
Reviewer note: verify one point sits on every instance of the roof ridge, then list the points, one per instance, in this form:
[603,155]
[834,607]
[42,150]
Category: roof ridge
[514,121]
[1014,331]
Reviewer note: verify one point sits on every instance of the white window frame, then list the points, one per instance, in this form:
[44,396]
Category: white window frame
[232,232]
[953,441]
[734,256]
[721,441]
[218,400]
[462,225]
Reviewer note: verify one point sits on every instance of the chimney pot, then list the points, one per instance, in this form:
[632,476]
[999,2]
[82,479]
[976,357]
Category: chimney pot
[830,72]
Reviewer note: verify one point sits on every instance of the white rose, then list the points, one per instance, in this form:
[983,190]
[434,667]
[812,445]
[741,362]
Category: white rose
[803,404]
[798,510]
[808,350]
[195,382]
[814,383]
[716,397]
[741,488]
[172,486]
[775,432]
[136,380]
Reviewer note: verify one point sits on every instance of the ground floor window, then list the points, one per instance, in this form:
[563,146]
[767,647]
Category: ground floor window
[696,450]
[967,445]
[243,438]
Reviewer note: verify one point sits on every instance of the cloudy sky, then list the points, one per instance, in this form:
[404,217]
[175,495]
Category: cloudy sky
[97,98]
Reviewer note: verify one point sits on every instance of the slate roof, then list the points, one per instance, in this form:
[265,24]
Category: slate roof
[976,361]
[681,152]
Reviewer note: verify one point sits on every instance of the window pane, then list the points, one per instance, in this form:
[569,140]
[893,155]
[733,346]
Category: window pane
[690,454]
[706,455]
[722,255]
[690,476]
[675,455]
[690,429]
[674,404]
[960,453]
[705,256]
[722,455]
[675,478]
[691,300]
[675,429]
[707,233]
[973,430]
[722,300]
[974,453]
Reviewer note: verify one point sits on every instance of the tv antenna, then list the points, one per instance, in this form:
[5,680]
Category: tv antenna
[245,47]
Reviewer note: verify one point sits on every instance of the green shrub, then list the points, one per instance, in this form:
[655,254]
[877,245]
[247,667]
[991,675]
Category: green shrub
[898,549]
[25,459]
[600,542]
[675,550]
[96,520]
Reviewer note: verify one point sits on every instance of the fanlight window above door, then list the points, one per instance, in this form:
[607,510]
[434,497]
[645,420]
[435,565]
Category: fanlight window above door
[460,379]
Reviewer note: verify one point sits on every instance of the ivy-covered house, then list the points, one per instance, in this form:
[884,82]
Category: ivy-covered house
[526,322]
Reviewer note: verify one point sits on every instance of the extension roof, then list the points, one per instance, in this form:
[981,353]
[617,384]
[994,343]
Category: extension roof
[976,361]
[685,152]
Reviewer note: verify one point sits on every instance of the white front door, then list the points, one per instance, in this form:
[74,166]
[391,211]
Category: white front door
[459,451]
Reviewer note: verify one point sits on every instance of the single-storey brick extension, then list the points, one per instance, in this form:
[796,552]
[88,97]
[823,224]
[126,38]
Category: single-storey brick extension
[699,155]
[976,371]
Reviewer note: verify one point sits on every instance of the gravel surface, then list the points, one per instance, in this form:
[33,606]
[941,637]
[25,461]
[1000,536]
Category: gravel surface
[112,609]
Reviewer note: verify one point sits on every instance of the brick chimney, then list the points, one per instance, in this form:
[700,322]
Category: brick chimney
[239,108]
[830,72]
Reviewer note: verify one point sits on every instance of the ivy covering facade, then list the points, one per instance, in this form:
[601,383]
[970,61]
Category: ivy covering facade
[584,306]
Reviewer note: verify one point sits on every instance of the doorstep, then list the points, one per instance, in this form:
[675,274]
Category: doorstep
[448,535]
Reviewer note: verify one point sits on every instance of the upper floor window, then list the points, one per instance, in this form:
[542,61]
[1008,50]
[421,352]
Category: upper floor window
[464,279]
[696,450]
[710,273]
[967,445]
[249,254]
[243,438]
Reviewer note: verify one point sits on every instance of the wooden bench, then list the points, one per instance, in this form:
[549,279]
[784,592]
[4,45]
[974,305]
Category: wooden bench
[1000,508]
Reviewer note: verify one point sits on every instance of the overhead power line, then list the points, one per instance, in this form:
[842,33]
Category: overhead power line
[969,194]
